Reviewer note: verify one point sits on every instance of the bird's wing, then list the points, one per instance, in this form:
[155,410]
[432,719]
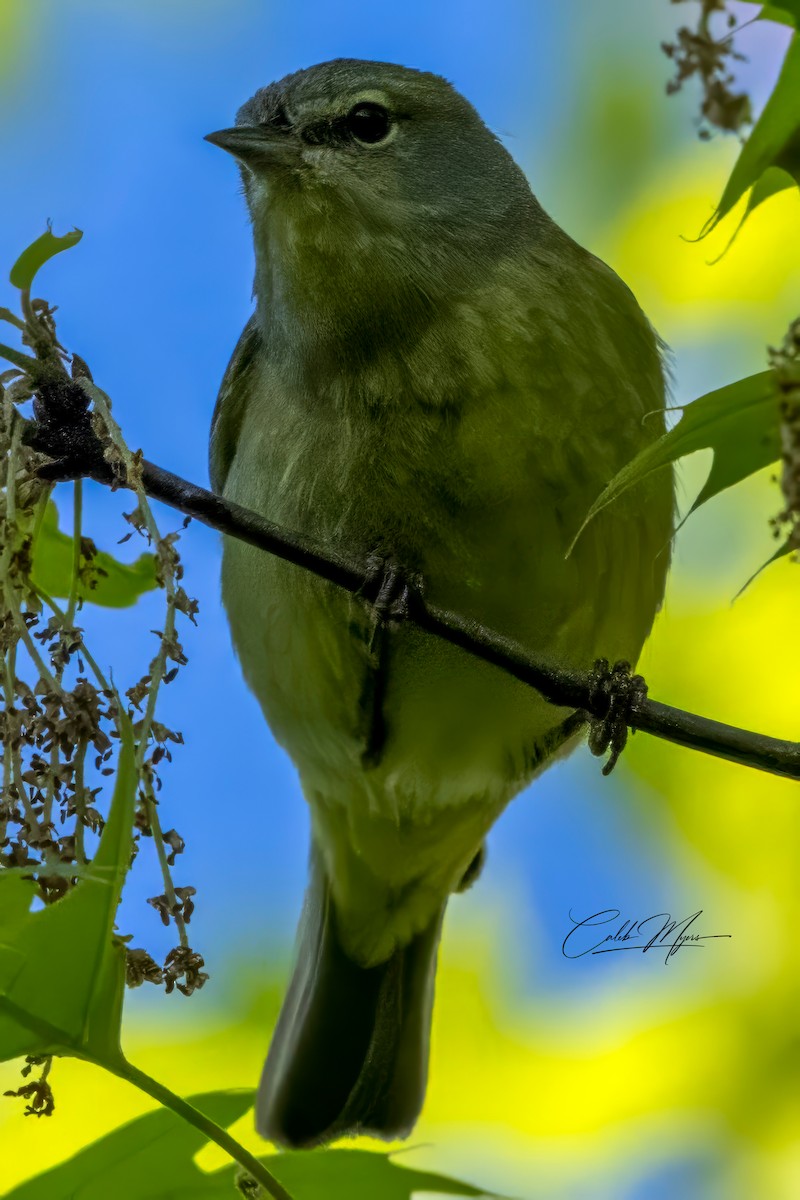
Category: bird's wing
[234,392]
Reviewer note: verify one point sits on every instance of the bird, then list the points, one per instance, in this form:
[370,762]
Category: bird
[438,380]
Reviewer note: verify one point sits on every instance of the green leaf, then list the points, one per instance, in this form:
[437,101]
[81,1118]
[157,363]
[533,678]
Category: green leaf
[774,180]
[787,12]
[358,1175]
[61,974]
[774,141]
[151,1158]
[781,552]
[117,584]
[740,423]
[38,253]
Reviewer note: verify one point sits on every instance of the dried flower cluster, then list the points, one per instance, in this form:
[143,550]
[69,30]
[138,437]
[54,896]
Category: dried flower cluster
[785,362]
[58,724]
[697,52]
[47,726]
[249,1187]
[38,1092]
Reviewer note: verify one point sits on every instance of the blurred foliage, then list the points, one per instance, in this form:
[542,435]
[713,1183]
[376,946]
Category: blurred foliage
[13,29]
[788,13]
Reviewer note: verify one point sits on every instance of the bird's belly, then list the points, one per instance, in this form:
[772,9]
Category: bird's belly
[461,736]
[457,730]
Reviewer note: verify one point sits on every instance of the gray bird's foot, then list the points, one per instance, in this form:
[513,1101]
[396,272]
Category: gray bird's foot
[390,591]
[621,691]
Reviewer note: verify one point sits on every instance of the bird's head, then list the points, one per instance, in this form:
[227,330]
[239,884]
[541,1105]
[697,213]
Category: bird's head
[365,178]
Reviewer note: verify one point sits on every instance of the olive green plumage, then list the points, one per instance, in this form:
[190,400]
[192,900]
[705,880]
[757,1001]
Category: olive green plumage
[437,373]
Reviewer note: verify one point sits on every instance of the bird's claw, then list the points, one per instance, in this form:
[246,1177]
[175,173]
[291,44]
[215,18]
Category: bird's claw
[619,691]
[390,591]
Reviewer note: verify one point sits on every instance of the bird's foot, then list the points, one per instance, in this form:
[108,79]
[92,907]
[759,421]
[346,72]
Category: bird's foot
[620,691]
[390,591]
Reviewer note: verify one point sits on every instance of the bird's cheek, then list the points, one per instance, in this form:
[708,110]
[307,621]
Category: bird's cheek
[323,163]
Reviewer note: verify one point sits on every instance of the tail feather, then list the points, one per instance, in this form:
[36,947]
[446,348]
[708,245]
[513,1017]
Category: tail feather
[350,1050]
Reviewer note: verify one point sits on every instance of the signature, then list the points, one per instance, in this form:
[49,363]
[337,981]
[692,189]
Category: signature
[658,932]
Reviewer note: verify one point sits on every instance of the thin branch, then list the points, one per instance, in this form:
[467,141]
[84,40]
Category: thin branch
[65,435]
[194,1116]
[572,689]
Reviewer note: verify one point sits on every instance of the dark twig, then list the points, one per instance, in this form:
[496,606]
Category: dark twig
[63,431]
[566,688]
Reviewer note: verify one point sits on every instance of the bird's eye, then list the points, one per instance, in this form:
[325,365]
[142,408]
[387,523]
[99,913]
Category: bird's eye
[369,123]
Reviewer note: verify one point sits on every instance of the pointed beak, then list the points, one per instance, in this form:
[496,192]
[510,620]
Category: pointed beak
[255,145]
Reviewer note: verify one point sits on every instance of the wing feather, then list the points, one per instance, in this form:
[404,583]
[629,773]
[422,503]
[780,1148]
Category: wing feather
[229,411]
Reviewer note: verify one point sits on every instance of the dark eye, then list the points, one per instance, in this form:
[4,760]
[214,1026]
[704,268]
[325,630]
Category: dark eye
[369,123]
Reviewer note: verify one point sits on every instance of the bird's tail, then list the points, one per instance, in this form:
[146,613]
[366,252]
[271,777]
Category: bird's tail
[350,1051]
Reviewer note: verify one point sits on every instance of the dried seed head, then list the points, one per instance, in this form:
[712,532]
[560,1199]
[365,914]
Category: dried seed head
[698,52]
[59,728]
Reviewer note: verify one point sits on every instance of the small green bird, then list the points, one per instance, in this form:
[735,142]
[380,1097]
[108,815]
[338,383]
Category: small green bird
[436,374]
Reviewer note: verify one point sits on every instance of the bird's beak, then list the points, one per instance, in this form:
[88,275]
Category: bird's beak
[255,145]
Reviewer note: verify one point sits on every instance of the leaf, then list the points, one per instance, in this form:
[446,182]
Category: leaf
[774,141]
[781,552]
[774,180]
[118,585]
[786,12]
[61,974]
[151,1158]
[356,1175]
[38,253]
[740,423]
